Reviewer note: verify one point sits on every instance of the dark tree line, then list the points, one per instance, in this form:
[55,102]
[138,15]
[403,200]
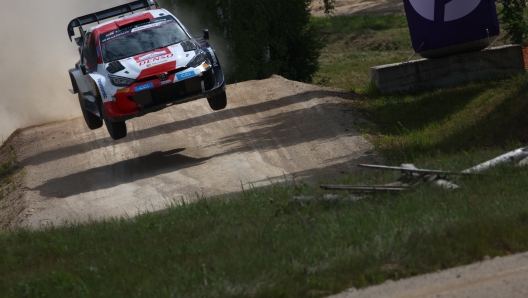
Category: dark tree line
[262,37]
[513,17]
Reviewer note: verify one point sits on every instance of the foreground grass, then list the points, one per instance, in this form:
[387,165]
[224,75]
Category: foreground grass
[261,245]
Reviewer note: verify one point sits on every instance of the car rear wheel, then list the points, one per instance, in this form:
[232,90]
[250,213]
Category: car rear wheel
[117,130]
[92,121]
[218,102]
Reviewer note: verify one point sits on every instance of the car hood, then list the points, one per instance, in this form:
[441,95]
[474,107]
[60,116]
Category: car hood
[155,62]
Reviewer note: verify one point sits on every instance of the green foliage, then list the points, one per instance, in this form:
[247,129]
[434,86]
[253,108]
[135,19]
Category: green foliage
[262,37]
[513,17]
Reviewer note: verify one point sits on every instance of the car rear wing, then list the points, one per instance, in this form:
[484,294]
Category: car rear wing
[108,13]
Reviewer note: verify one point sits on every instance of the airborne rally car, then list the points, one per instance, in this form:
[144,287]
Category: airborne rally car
[142,61]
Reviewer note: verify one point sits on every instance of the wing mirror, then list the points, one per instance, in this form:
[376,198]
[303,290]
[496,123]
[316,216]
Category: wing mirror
[83,69]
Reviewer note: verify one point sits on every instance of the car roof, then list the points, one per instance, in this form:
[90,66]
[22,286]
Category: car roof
[138,16]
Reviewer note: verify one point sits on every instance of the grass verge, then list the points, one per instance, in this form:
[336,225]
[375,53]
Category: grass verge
[11,177]
[260,244]
[8,166]
[354,44]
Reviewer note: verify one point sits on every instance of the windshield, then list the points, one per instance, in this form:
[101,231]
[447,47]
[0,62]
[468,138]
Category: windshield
[137,39]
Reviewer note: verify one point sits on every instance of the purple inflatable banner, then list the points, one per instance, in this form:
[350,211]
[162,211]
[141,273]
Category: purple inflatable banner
[441,28]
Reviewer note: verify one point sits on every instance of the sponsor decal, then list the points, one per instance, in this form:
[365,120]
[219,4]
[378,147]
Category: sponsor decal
[144,87]
[165,82]
[215,61]
[152,55]
[185,75]
[101,87]
[124,90]
[153,60]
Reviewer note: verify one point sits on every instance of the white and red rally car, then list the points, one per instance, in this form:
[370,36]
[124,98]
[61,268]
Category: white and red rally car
[140,63]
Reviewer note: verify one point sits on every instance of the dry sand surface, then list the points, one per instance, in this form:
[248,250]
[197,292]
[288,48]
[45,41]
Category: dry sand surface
[271,129]
[350,7]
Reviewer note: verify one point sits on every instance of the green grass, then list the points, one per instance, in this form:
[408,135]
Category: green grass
[444,121]
[354,44]
[260,244]
[462,119]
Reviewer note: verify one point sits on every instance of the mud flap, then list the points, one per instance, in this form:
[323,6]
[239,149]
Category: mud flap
[90,105]
[217,69]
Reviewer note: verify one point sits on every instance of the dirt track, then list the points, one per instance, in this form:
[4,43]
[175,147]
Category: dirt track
[271,129]
[351,7]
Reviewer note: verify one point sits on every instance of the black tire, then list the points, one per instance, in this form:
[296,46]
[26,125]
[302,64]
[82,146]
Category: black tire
[92,121]
[218,102]
[117,130]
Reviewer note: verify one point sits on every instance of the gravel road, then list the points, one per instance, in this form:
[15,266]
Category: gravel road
[500,277]
[271,129]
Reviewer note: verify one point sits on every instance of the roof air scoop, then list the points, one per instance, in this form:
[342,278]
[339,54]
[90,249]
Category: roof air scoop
[131,21]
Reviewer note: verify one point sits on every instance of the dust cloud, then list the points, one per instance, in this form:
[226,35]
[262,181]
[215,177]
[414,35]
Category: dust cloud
[35,55]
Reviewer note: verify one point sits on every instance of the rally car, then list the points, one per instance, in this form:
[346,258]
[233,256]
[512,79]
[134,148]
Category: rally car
[141,61]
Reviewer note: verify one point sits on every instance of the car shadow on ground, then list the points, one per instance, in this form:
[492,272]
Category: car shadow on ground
[127,171]
[230,112]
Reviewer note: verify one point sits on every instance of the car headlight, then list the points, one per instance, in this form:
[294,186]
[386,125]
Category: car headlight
[197,60]
[120,81]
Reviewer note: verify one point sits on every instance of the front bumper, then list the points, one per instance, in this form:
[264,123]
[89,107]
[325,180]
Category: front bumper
[208,84]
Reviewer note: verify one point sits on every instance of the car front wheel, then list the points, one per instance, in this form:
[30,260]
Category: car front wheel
[218,102]
[117,130]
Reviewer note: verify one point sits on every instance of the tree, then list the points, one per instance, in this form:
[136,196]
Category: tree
[263,37]
[512,15]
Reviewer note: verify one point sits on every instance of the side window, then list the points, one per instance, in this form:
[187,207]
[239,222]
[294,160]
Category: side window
[89,50]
